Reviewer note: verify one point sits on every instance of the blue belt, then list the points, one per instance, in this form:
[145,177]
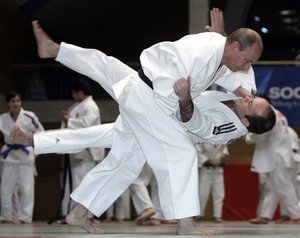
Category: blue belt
[11,147]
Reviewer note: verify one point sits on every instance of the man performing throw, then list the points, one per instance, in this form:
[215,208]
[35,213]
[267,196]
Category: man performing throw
[147,121]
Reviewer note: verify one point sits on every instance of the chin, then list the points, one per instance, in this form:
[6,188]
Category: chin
[233,69]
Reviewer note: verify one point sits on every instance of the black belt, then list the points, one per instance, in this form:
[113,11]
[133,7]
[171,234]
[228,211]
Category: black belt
[208,166]
[145,78]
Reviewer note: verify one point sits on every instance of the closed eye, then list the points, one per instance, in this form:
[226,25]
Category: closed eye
[250,103]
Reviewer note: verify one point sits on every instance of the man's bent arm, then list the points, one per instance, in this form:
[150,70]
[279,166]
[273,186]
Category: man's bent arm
[186,105]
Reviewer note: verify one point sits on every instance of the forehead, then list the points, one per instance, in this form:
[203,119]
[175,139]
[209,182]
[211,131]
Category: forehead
[259,105]
[16,98]
[259,100]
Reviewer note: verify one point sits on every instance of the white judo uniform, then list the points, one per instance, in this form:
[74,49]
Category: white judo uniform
[295,166]
[211,178]
[295,144]
[82,114]
[272,155]
[148,122]
[209,106]
[18,167]
[141,199]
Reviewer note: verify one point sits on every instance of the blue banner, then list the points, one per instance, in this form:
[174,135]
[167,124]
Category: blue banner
[282,85]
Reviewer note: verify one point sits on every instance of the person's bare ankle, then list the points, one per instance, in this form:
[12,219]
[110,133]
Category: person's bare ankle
[187,226]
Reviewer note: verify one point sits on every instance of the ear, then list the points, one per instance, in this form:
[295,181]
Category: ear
[245,122]
[236,45]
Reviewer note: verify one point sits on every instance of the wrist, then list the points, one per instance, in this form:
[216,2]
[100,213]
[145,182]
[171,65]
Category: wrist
[185,102]
[29,139]
[185,99]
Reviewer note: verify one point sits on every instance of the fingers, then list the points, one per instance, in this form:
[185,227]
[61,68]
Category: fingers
[35,23]
[208,28]
[178,85]
[189,80]
[217,21]
[182,83]
[15,131]
[216,15]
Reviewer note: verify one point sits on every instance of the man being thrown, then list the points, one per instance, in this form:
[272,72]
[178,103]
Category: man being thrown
[147,116]
[70,141]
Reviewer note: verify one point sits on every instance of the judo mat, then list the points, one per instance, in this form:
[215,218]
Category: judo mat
[130,229]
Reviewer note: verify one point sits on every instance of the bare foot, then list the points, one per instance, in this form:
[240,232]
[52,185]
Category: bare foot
[283,219]
[108,219]
[47,48]
[79,217]
[16,221]
[218,220]
[169,222]
[293,221]
[120,220]
[260,220]
[147,213]
[18,136]
[150,222]
[187,226]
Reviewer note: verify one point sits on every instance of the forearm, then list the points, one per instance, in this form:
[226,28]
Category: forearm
[186,110]
[186,106]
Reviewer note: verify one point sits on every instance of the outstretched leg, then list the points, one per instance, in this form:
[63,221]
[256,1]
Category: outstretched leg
[79,217]
[47,48]
[96,65]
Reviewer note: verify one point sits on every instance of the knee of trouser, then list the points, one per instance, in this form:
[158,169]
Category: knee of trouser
[186,157]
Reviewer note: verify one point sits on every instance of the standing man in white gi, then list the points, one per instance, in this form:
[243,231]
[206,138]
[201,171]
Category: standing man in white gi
[272,155]
[295,144]
[83,113]
[211,177]
[18,162]
[293,170]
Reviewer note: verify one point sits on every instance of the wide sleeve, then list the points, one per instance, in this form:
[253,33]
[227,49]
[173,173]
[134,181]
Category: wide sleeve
[30,122]
[232,80]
